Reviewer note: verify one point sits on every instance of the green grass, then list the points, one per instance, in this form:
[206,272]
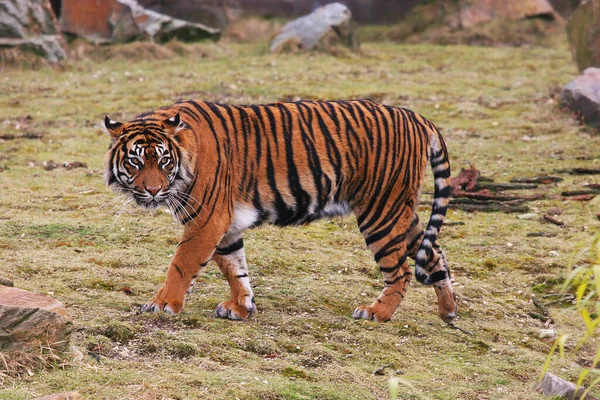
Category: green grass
[59,232]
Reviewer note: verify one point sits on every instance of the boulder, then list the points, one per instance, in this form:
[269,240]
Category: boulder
[583,31]
[29,321]
[552,385]
[473,12]
[565,7]
[126,20]
[326,25]
[583,96]
[31,24]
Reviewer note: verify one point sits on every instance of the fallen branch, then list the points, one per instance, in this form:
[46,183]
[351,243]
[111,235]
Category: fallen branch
[544,179]
[580,171]
[487,195]
[538,304]
[541,234]
[10,136]
[553,220]
[468,204]
[569,193]
[458,328]
[506,186]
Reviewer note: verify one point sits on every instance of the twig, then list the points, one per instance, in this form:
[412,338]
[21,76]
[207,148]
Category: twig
[539,305]
[458,328]
[506,186]
[544,179]
[580,171]
[580,192]
[541,317]
[553,220]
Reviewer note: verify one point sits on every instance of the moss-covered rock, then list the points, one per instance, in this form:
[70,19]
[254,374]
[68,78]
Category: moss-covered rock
[583,31]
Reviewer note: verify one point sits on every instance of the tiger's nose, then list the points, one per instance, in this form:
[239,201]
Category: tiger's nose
[153,190]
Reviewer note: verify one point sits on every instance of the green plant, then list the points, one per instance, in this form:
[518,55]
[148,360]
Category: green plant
[585,281]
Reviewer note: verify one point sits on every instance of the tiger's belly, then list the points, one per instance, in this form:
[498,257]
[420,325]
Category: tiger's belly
[246,216]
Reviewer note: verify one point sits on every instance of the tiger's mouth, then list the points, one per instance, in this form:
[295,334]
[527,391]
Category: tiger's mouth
[150,204]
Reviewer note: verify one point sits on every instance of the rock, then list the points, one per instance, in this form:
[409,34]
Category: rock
[126,20]
[6,282]
[324,26]
[30,320]
[552,385]
[473,12]
[583,31]
[565,7]
[527,216]
[547,333]
[583,96]
[31,25]
[62,396]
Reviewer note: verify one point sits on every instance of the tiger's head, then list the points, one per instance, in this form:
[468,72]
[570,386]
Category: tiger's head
[146,161]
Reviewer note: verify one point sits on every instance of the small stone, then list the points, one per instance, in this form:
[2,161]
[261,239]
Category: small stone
[547,333]
[527,216]
[553,253]
[509,244]
[6,282]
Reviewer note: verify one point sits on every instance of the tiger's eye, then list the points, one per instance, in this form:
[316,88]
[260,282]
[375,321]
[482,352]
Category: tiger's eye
[164,162]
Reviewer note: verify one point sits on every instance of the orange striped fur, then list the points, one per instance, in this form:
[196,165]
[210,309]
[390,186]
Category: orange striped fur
[222,169]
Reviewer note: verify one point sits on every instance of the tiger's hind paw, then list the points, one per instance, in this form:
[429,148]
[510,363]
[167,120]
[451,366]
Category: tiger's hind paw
[156,305]
[369,313]
[228,309]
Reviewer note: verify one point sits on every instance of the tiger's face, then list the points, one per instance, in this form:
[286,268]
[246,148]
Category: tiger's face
[145,162]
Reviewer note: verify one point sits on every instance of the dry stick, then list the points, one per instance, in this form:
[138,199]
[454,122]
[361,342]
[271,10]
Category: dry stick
[458,328]
[539,305]
[580,192]
[544,179]
[553,220]
[506,186]
[580,171]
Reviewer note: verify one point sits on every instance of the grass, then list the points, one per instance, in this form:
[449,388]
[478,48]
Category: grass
[59,231]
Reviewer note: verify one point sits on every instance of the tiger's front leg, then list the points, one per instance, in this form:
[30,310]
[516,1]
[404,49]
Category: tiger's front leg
[231,259]
[192,254]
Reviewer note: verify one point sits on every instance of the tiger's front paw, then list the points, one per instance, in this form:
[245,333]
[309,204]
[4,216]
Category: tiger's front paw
[156,305]
[228,309]
[370,313]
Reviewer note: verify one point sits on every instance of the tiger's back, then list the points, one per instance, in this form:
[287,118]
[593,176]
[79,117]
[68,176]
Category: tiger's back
[291,163]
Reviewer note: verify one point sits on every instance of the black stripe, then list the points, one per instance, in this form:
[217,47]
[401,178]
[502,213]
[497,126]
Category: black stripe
[235,246]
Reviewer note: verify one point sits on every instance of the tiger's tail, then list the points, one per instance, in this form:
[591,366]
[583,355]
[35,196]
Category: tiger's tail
[440,165]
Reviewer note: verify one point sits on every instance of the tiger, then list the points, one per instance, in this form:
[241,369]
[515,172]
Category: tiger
[222,169]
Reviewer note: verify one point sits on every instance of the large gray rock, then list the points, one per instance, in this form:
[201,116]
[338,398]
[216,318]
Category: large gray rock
[31,24]
[552,385]
[326,25]
[29,321]
[583,96]
[126,20]
[583,31]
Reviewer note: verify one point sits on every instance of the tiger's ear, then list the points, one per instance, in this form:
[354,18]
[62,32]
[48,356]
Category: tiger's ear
[114,128]
[173,124]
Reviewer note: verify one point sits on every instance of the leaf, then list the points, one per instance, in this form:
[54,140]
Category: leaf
[562,339]
[587,391]
[596,270]
[549,358]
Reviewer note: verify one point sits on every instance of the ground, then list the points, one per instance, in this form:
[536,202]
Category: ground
[63,233]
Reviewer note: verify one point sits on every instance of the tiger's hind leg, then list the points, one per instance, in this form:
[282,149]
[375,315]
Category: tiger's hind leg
[231,259]
[387,241]
[447,306]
